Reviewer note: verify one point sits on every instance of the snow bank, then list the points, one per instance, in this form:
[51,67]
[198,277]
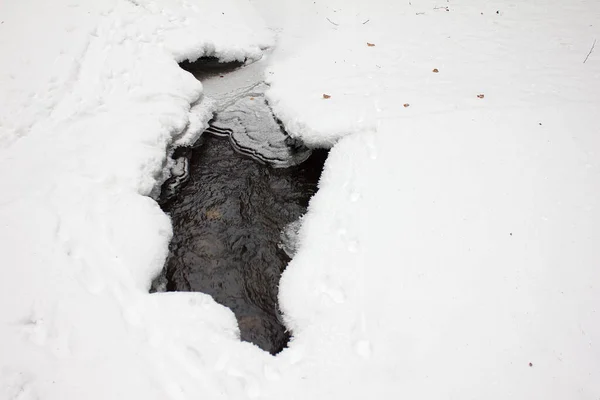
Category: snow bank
[454,237]
[91,98]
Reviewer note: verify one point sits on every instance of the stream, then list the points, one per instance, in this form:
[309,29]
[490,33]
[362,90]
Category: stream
[244,185]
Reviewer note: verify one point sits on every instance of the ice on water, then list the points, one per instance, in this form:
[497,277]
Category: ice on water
[253,130]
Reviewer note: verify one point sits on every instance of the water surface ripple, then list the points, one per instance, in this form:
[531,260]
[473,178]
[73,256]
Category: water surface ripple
[227,220]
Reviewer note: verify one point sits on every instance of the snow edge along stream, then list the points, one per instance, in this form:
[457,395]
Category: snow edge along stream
[78,221]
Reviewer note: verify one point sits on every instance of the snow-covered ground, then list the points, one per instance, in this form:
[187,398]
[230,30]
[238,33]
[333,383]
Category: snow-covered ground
[451,251]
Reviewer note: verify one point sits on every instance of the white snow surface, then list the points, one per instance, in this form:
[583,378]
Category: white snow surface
[91,97]
[450,253]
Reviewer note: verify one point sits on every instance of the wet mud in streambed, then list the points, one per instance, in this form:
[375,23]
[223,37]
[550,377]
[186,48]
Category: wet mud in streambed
[227,221]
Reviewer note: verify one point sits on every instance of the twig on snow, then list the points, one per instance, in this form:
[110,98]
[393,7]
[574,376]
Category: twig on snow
[592,49]
[332,22]
[366,21]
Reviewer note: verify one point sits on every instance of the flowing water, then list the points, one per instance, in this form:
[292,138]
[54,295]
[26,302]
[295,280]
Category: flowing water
[227,219]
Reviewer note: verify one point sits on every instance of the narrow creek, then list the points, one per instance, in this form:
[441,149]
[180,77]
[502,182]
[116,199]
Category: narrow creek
[229,215]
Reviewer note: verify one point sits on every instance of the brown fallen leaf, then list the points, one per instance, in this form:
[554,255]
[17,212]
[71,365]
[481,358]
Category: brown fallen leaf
[251,98]
[326,96]
[406,105]
[436,70]
[213,213]
[480,96]
[370,44]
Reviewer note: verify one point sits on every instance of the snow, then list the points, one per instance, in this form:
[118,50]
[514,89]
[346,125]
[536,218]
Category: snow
[243,115]
[453,240]
[451,244]
[89,118]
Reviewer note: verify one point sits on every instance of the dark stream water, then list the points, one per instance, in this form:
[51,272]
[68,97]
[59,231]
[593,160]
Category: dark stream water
[227,222]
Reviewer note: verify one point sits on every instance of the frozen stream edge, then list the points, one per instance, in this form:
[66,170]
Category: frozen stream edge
[243,116]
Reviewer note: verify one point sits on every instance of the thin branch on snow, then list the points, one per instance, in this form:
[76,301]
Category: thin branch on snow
[366,21]
[332,22]
[592,49]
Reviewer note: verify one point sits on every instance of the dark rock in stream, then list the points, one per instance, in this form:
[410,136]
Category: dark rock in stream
[227,222]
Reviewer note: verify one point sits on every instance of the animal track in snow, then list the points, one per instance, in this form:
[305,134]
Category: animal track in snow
[363,348]
[89,277]
[354,196]
[334,292]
